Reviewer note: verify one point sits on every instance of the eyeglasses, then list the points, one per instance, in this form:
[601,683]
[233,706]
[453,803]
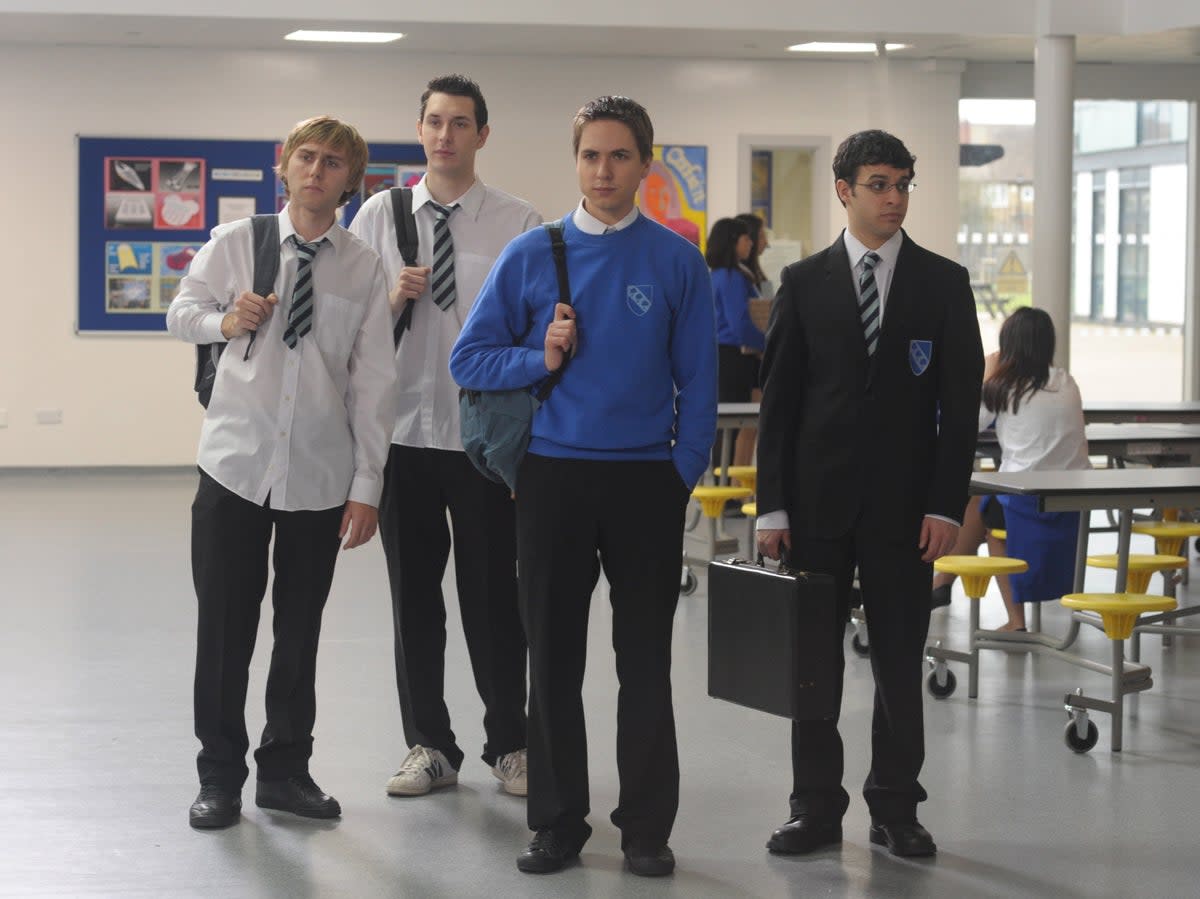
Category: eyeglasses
[880,188]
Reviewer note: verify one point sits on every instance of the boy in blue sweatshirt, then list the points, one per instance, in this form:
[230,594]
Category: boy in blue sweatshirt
[634,414]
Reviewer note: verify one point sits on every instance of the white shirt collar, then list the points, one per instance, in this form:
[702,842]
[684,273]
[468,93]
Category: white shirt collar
[336,233]
[469,203]
[589,224]
[888,253]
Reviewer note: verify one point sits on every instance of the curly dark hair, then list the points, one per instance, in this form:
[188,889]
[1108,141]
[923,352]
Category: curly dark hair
[870,148]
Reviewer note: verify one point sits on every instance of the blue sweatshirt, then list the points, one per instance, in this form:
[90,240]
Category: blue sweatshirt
[732,291]
[643,382]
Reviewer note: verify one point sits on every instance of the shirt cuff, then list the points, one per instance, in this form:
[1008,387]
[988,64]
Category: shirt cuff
[210,328]
[957,524]
[773,521]
[365,490]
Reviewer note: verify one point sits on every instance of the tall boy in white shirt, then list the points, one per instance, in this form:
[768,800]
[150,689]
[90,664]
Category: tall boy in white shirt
[293,443]
[462,225]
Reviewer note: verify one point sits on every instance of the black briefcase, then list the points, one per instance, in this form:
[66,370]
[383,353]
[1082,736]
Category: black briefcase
[772,639]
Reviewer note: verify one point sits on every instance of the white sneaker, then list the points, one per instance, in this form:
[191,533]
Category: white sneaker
[421,771]
[510,771]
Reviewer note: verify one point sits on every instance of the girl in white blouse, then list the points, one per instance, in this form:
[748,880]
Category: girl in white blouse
[1037,412]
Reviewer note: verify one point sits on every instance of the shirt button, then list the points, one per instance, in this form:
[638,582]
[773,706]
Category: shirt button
[283,433]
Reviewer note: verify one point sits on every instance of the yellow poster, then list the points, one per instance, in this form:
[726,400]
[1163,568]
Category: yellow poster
[675,193]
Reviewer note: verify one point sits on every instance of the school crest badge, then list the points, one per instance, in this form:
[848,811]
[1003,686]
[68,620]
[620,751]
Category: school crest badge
[639,298]
[920,354]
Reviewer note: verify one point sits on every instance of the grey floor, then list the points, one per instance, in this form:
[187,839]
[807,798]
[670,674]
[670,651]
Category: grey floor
[96,750]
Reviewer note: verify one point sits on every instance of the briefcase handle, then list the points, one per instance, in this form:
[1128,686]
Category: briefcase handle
[762,563]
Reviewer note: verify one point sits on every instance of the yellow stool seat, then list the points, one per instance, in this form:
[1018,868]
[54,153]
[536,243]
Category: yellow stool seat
[746,475]
[750,510]
[999,533]
[1119,611]
[976,571]
[1169,536]
[1141,567]
[712,499]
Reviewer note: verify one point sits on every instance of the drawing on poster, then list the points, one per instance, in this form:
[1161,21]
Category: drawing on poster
[675,191]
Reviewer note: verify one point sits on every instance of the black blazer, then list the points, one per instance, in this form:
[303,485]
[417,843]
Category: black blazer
[895,432]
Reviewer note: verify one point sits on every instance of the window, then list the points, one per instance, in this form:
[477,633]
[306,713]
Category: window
[1099,208]
[1133,256]
[1130,228]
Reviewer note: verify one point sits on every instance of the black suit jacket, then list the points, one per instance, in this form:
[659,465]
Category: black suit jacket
[895,432]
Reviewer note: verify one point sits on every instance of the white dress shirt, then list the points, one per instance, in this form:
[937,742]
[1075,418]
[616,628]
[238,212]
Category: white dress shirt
[307,427]
[1047,431]
[486,220]
[884,268]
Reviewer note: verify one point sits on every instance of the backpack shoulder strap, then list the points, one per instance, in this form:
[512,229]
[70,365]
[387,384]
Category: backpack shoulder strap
[559,247]
[406,224]
[266,252]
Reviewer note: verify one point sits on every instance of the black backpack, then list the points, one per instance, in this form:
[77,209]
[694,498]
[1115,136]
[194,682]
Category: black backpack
[266,267]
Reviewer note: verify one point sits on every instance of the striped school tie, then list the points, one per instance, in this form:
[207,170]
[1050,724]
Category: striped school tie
[301,312]
[868,303]
[442,287]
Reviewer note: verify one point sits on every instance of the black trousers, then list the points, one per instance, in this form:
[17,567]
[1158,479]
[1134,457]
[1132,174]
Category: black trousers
[230,540]
[419,486]
[573,517]
[895,595]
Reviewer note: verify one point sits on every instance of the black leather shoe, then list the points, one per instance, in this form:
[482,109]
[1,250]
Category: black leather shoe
[650,861]
[909,840]
[805,833]
[939,597]
[545,854]
[298,795]
[215,807]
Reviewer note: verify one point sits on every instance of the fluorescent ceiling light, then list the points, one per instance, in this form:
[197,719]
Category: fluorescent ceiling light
[841,47]
[346,37]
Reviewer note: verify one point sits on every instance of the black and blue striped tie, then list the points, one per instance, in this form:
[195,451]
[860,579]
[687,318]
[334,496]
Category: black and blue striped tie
[868,301]
[442,286]
[300,315]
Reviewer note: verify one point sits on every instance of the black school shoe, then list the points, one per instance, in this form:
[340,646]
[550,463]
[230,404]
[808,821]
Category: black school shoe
[215,807]
[909,840]
[649,861]
[939,597]
[805,833]
[299,795]
[545,854]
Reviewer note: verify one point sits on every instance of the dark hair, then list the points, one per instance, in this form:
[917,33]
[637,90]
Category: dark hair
[1026,351]
[722,243]
[870,148]
[457,86]
[620,109]
[755,224]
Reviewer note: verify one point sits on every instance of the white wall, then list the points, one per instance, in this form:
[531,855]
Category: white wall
[128,401]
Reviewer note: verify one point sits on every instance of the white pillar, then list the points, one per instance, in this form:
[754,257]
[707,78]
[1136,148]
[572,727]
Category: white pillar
[1053,149]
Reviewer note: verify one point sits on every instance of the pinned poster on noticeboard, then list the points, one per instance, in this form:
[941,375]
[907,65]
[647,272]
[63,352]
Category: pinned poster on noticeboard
[675,192]
[156,194]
